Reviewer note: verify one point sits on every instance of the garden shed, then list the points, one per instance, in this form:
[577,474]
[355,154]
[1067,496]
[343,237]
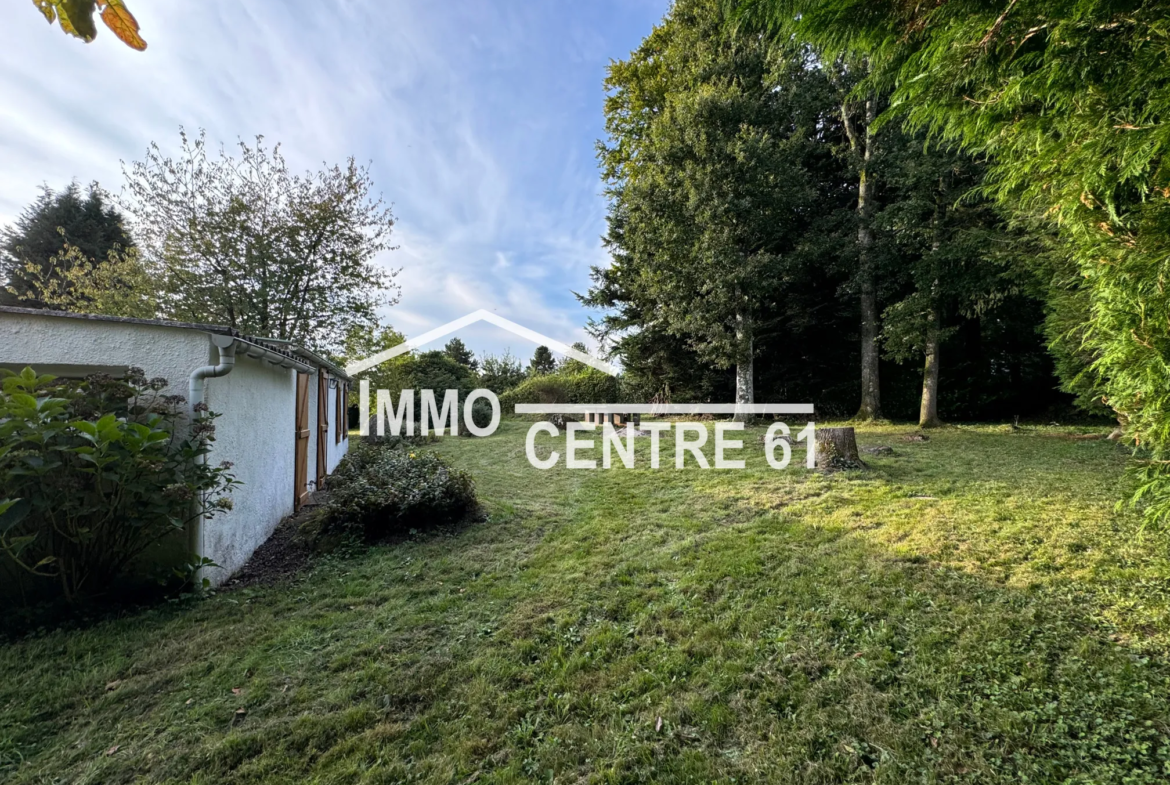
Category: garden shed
[283,409]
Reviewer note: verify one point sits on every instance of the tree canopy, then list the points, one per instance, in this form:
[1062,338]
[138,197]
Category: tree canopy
[242,241]
[364,340]
[739,168]
[1067,102]
[499,373]
[542,362]
[122,284]
[707,184]
[87,223]
[458,351]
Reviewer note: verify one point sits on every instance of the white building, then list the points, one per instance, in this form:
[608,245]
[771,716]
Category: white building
[283,410]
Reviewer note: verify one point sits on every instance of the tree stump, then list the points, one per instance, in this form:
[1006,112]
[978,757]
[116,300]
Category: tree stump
[837,449]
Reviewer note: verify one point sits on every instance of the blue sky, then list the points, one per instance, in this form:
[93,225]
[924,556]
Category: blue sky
[479,118]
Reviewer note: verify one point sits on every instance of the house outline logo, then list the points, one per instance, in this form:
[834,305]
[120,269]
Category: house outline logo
[471,318]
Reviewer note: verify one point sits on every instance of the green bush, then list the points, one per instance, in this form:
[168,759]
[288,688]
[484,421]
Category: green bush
[94,473]
[381,489]
[588,386]
[537,389]
[500,373]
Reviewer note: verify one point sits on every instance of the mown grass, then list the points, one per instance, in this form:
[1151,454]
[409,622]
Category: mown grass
[971,609]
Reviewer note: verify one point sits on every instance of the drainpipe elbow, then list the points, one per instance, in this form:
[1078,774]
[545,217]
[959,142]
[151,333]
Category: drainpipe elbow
[227,361]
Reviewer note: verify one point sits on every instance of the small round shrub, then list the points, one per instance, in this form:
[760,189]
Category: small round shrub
[380,490]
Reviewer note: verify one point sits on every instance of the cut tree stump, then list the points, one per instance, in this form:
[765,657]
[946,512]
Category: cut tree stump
[837,449]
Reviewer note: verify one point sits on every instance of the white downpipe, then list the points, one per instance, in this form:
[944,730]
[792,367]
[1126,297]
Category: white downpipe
[227,361]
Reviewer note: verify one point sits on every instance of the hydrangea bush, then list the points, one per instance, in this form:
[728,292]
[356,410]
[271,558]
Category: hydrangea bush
[94,473]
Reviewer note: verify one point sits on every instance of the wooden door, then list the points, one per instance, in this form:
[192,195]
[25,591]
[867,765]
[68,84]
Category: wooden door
[301,464]
[322,426]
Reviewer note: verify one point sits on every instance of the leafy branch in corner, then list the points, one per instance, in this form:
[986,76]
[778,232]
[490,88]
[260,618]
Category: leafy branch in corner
[76,19]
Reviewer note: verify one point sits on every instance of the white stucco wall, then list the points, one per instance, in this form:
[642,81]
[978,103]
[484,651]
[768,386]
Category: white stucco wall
[256,432]
[256,403]
[169,352]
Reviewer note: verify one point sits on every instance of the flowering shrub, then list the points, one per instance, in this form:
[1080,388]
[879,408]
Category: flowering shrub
[379,489]
[93,473]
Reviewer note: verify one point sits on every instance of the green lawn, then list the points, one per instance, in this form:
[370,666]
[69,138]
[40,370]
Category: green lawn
[972,609]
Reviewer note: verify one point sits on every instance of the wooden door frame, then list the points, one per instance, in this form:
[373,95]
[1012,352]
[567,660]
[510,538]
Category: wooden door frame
[301,453]
[322,427]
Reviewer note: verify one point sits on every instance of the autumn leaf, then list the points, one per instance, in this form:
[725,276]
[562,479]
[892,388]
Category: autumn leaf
[76,19]
[123,24]
[46,8]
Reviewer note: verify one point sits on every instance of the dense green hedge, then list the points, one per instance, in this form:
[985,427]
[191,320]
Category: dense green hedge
[588,386]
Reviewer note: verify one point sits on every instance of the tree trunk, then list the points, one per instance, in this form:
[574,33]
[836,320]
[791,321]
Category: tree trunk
[928,409]
[745,393]
[871,407]
[837,449]
[928,412]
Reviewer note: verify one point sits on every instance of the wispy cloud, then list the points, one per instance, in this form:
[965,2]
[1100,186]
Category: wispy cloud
[479,120]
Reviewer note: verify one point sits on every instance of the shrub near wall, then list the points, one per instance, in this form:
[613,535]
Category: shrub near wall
[381,489]
[94,473]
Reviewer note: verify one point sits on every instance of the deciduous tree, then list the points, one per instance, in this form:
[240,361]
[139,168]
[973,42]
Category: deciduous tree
[123,284]
[954,251]
[708,192]
[500,373]
[364,340]
[244,242]
[1069,103]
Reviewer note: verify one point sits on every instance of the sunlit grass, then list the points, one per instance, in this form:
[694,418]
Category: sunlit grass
[971,609]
